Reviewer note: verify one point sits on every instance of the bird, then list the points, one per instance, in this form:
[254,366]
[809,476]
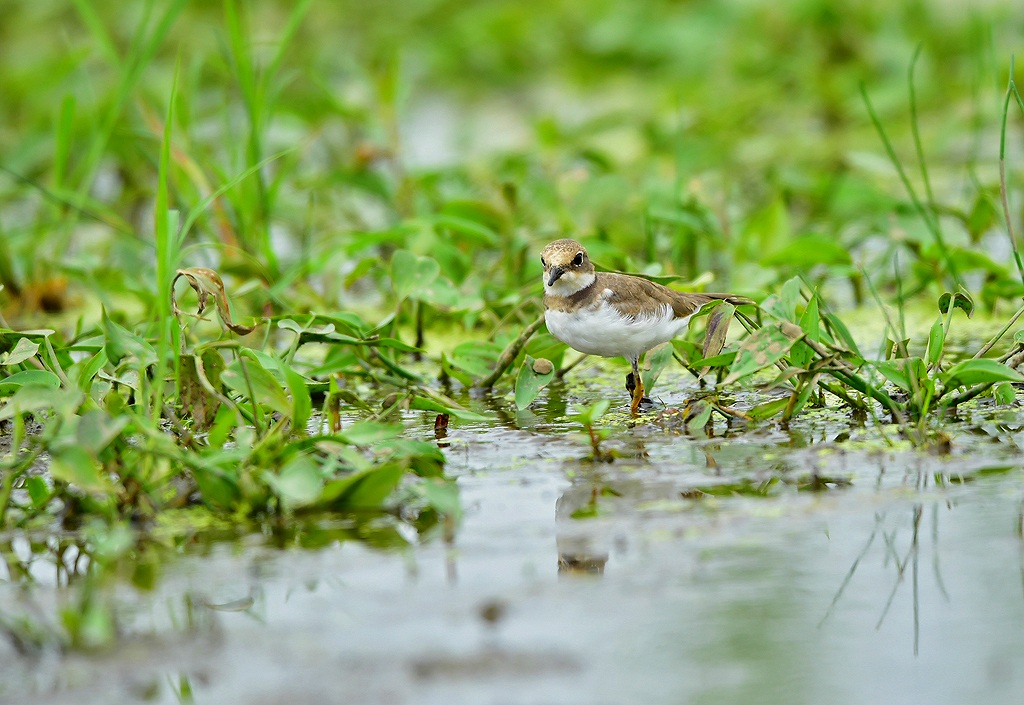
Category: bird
[613,315]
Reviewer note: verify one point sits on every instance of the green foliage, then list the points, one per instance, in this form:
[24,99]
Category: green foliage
[294,157]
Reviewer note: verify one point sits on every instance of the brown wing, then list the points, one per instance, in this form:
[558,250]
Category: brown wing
[634,296]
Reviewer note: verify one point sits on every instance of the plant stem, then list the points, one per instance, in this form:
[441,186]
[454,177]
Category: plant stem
[509,354]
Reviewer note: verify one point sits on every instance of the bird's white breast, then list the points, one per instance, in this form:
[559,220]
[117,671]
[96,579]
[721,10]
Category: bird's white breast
[602,330]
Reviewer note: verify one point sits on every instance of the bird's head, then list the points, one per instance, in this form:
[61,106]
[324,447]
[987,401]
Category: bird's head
[567,268]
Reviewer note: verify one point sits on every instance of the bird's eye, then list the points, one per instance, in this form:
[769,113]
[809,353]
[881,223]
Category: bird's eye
[578,260]
[543,263]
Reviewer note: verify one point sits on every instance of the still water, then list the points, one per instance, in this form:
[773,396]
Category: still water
[693,569]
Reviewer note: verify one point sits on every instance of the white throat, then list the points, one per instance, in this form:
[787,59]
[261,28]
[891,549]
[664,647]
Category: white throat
[569,283]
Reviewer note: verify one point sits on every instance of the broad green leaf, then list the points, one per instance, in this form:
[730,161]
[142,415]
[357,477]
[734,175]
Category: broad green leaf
[980,371]
[477,358]
[411,274]
[76,466]
[97,429]
[961,300]
[374,487]
[766,346]
[906,373]
[217,487]
[427,404]
[656,360]
[1004,393]
[33,398]
[37,378]
[768,409]
[299,482]
[38,491]
[366,433]
[120,342]
[23,350]
[592,413]
[248,377]
[533,375]
[701,414]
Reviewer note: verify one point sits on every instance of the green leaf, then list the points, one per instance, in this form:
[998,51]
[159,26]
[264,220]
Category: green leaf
[302,405]
[768,409]
[38,491]
[656,360]
[217,487]
[22,351]
[120,342]
[31,398]
[374,487]
[298,484]
[412,274]
[97,430]
[981,371]
[38,378]
[810,323]
[841,332]
[366,433]
[701,414]
[246,372]
[592,413]
[1004,393]
[936,342]
[961,300]
[76,466]
[906,373]
[477,358]
[427,404]
[529,381]
[766,346]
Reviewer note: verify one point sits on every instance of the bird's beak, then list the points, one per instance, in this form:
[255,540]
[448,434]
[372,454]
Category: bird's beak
[556,273]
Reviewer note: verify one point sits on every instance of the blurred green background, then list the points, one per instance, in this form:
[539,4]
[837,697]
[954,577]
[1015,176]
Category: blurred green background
[725,142]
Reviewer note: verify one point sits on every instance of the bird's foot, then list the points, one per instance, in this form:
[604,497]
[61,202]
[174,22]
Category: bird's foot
[636,393]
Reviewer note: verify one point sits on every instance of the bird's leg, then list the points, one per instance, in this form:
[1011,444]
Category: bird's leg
[638,389]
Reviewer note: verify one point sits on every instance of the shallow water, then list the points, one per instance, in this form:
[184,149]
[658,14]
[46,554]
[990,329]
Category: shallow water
[705,571]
